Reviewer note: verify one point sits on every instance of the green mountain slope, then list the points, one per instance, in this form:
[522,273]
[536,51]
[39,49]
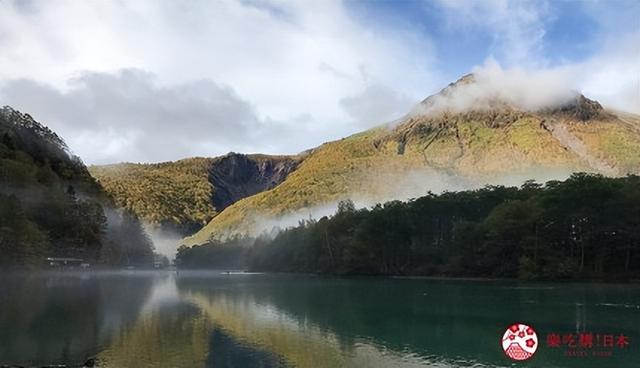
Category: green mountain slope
[184,195]
[50,206]
[447,149]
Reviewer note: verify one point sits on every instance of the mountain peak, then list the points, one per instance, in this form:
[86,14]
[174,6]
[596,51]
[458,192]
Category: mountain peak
[449,90]
[499,94]
[465,79]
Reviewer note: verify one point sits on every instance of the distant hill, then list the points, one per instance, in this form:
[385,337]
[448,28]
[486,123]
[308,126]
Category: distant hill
[442,146]
[185,195]
[51,206]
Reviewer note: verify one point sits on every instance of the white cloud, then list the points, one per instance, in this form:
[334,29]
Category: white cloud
[275,76]
[377,104]
[613,75]
[516,27]
[285,59]
[108,117]
[524,89]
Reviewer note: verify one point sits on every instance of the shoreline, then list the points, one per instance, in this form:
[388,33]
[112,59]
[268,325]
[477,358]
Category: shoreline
[463,278]
[232,272]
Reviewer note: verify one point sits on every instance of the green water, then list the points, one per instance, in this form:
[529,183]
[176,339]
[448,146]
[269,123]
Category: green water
[164,319]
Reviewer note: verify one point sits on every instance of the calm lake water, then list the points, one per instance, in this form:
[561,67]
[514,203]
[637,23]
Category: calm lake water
[190,319]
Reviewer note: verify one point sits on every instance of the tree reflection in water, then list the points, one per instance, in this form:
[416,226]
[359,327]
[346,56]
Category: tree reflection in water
[209,319]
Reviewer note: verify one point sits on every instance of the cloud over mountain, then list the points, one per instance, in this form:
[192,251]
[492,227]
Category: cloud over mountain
[280,76]
[490,84]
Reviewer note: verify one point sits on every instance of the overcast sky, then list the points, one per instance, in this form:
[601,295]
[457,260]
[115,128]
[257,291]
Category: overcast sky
[149,81]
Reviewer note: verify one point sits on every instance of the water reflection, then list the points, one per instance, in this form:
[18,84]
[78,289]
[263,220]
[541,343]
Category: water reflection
[64,318]
[161,319]
[228,352]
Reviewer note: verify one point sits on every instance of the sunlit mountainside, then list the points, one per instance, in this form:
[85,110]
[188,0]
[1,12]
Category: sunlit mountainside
[465,136]
[474,132]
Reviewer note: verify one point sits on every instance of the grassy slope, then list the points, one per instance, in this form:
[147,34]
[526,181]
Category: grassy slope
[616,141]
[368,164]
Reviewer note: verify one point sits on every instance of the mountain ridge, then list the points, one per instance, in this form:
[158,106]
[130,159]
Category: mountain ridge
[480,146]
[467,135]
[184,195]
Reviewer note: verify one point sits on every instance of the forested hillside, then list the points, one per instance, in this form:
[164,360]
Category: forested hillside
[584,227]
[175,195]
[50,206]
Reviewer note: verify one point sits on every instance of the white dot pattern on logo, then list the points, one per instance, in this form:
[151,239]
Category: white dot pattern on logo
[520,341]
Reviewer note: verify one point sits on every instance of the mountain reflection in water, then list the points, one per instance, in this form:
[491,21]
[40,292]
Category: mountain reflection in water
[212,319]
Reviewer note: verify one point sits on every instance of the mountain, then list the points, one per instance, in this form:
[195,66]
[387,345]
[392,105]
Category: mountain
[459,138]
[185,195]
[51,206]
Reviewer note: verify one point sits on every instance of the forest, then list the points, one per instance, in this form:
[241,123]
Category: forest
[50,206]
[586,227]
[175,196]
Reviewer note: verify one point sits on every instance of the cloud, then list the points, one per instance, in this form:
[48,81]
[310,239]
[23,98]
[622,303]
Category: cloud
[263,75]
[613,75]
[291,62]
[517,28]
[128,115]
[492,84]
[609,73]
[377,104]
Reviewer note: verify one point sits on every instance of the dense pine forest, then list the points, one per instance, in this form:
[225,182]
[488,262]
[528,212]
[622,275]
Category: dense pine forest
[586,227]
[50,206]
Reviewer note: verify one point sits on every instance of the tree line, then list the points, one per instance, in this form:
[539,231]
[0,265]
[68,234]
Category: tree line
[586,227]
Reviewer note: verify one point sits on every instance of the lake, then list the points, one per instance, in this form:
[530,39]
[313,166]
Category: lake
[214,319]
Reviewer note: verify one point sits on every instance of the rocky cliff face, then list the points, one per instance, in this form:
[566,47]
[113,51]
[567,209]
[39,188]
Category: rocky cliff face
[236,176]
[581,108]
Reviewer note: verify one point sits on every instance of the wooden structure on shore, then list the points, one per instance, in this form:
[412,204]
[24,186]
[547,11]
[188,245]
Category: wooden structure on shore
[63,262]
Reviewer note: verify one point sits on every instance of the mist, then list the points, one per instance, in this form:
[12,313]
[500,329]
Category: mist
[404,187]
[165,241]
[493,86]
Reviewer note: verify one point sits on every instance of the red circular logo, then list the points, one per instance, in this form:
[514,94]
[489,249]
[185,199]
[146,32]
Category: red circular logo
[520,341]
